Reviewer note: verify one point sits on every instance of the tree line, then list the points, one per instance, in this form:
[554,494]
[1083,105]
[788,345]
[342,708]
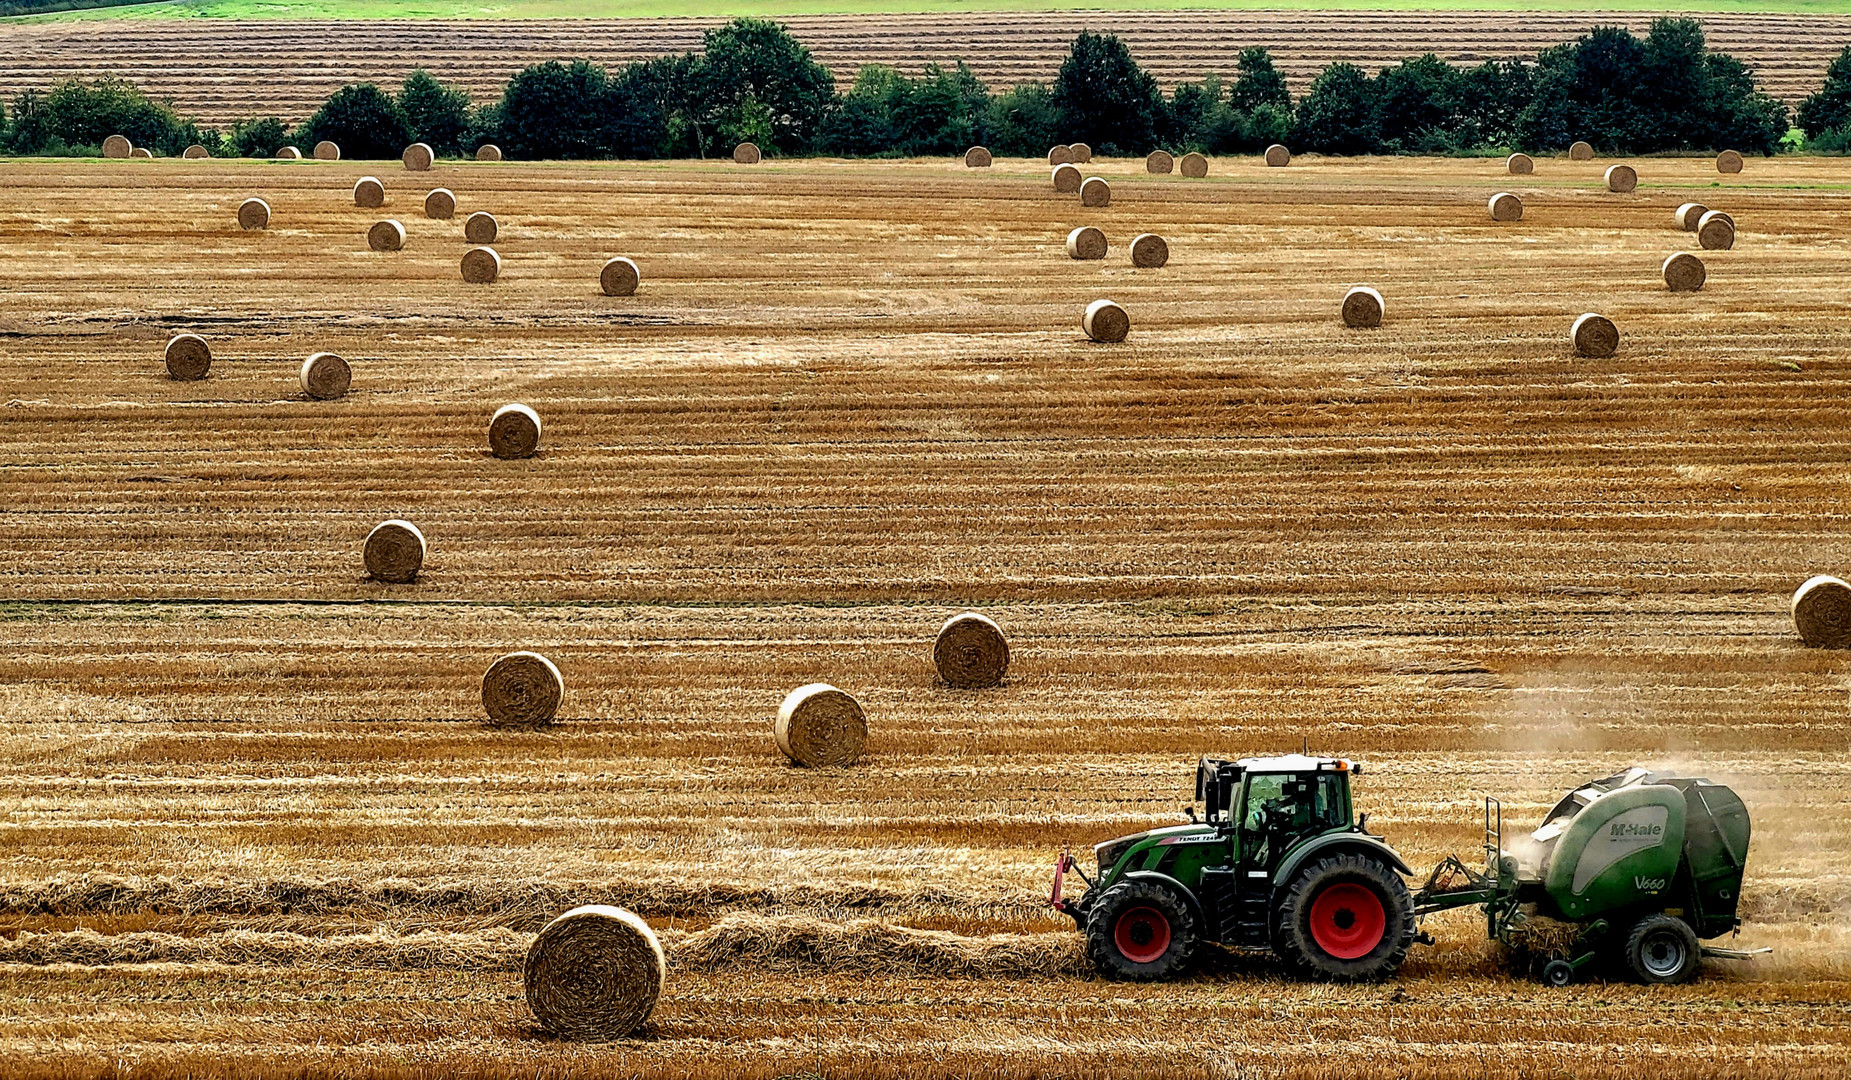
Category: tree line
[754,82]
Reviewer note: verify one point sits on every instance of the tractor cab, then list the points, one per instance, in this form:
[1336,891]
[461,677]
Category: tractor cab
[1270,804]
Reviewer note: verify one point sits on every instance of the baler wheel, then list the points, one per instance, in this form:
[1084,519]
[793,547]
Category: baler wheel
[1346,917]
[1140,931]
[1558,973]
[1662,950]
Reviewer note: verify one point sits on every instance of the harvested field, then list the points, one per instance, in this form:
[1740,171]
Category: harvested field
[204,64]
[255,824]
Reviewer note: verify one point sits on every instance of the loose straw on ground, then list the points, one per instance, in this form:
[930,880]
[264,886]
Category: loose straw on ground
[1149,251]
[1822,612]
[522,689]
[514,432]
[820,725]
[1105,321]
[394,552]
[620,277]
[594,974]
[188,358]
[325,376]
[1362,308]
[971,652]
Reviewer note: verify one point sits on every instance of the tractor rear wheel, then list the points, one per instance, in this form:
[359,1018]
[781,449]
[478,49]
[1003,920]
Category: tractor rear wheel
[1140,931]
[1346,917]
[1662,949]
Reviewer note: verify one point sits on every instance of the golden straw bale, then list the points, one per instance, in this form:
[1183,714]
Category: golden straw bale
[1622,178]
[488,152]
[253,214]
[522,689]
[481,266]
[387,235]
[1086,242]
[746,154]
[1506,207]
[1580,151]
[1362,308]
[514,432]
[1688,214]
[1822,612]
[620,277]
[117,146]
[195,152]
[1716,231]
[971,652]
[1066,179]
[289,153]
[1278,157]
[418,157]
[1684,272]
[594,974]
[1729,162]
[820,725]
[1194,166]
[1094,191]
[1149,251]
[1060,155]
[1159,163]
[1520,165]
[1105,321]
[440,204]
[188,357]
[1595,336]
[325,376]
[394,552]
[481,228]
[327,151]
[142,153]
[977,157]
[369,193]
[1079,153]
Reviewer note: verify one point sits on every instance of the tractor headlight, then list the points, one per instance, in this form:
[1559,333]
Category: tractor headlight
[1113,850]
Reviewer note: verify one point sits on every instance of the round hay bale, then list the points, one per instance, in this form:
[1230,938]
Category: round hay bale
[522,689]
[1194,166]
[1688,214]
[1094,191]
[971,652]
[1277,157]
[1149,251]
[1716,231]
[1580,151]
[1684,272]
[1060,155]
[746,154]
[820,725]
[387,235]
[514,432]
[1822,612]
[189,358]
[1622,178]
[394,552]
[418,157]
[620,277]
[253,214]
[977,157]
[1105,321]
[480,228]
[369,193]
[594,974]
[1520,165]
[325,376]
[481,266]
[1506,207]
[440,204]
[488,152]
[1080,153]
[1066,179]
[1086,242]
[142,153]
[117,146]
[195,152]
[1362,308]
[1595,336]
[289,153]
[1159,163]
[1729,162]
[327,151]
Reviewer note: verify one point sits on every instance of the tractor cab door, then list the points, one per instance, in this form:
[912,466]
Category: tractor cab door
[1280,809]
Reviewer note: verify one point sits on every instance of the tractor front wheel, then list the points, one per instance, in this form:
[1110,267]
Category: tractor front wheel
[1662,949]
[1140,931]
[1346,917]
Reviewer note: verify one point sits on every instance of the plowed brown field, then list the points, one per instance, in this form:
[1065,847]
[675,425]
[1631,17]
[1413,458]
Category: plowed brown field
[253,827]
[207,65]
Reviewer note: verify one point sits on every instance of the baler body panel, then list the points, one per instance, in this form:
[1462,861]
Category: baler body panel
[1620,850]
[1716,834]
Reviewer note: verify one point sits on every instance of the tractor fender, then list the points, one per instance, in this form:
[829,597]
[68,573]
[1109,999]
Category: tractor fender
[1182,891]
[1355,843]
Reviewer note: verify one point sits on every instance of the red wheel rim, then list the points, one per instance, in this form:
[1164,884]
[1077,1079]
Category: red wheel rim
[1142,935]
[1348,921]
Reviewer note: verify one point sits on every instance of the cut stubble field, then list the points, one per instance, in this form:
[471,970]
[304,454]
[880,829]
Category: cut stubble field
[253,825]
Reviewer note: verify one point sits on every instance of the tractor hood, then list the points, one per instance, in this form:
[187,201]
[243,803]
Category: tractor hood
[1110,852]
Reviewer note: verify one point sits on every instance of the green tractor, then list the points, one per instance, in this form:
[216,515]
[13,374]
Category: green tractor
[1636,867]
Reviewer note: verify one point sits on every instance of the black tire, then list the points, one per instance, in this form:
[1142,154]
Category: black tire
[1558,973]
[1662,951]
[1348,879]
[1141,914]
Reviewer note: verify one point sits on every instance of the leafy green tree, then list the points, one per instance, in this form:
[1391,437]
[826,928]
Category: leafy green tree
[1338,114]
[1103,98]
[435,114]
[555,110]
[75,115]
[1417,104]
[862,125]
[1739,115]
[755,81]
[639,104]
[1258,84]
[257,138]
[941,113]
[1830,108]
[1021,122]
[362,120]
[1491,98]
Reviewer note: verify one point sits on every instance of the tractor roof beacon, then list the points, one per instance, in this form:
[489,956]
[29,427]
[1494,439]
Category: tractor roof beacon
[1634,868]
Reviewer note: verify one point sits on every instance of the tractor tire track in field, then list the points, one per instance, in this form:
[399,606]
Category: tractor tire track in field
[221,71]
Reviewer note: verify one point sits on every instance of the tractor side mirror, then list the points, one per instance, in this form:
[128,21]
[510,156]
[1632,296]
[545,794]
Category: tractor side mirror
[1362,823]
[1190,810]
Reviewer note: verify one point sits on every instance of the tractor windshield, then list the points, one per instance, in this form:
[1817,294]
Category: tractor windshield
[1280,807]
